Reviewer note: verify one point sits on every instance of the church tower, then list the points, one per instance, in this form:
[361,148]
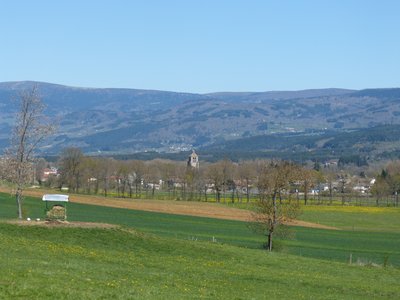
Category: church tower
[193,160]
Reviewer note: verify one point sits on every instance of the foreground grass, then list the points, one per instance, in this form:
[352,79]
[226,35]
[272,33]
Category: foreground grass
[377,247]
[76,263]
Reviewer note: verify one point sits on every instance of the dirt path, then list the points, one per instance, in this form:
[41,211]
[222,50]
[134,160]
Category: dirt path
[62,224]
[199,209]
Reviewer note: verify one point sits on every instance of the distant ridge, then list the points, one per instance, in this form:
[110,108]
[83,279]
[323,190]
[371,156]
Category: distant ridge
[125,121]
[284,94]
[305,92]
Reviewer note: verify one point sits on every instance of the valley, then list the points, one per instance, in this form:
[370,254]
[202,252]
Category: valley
[269,124]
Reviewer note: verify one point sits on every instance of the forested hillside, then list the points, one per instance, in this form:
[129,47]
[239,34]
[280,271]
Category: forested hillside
[327,122]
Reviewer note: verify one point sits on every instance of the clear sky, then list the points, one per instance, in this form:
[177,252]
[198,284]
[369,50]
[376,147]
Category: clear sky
[202,46]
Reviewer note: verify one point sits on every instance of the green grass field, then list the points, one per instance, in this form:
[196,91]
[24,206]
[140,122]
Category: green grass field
[163,256]
[372,219]
[71,263]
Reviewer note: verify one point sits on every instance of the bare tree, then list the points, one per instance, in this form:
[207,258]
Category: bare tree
[247,173]
[380,189]
[168,172]
[30,129]
[330,176]
[307,180]
[274,180]
[216,173]
[107,167]
[387,183]
[71,168]
[393,170]
[40,165]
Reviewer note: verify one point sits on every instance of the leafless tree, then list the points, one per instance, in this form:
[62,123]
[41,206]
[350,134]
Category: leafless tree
[168,173]
[89,179]
[219,173]
[40,165]
[387,183]
[247,174]
[330,174]
[307,181]
[393,170]
[107,171]
[30,129]
[71,168]
[380,189]
[274,180]
[138,169]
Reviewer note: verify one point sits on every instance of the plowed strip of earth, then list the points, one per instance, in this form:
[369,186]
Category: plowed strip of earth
[198,209]
[62,224]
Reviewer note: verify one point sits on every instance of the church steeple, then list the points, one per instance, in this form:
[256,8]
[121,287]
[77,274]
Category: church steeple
[193,160]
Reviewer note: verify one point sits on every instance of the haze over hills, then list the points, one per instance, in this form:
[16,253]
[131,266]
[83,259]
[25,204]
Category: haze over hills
[125,121]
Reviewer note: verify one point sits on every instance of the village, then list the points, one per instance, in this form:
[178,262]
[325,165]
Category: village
[224,181]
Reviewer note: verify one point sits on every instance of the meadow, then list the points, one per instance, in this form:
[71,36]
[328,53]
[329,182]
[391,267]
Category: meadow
[155,255]
[372,219]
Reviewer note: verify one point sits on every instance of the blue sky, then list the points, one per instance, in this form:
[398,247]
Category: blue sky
[202,46]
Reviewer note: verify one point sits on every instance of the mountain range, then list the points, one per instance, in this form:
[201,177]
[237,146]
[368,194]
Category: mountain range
[127,121]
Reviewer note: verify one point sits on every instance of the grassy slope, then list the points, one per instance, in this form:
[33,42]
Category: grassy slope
[367,245]
[40,262]
[122,264]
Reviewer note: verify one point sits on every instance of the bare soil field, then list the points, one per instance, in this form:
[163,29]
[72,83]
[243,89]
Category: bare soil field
[62,224]
[199,209]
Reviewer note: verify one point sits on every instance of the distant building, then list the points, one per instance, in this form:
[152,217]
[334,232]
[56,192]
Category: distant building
[331,163]
[193,160]
[48,172]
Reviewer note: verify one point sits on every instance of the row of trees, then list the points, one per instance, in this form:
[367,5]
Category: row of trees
[226,180]
[223,180]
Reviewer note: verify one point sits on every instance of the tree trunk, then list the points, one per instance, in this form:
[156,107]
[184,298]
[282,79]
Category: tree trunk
[275,212]
[184,191]
[305,196]
[18,197]
[269,245]
[247,191]
[96,188]
[105,187]
[274,221]
[89,189]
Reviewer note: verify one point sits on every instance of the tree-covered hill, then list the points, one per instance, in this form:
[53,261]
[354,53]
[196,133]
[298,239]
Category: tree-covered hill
[126,121]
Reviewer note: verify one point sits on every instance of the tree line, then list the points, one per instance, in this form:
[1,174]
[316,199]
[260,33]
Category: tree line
[221,181]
